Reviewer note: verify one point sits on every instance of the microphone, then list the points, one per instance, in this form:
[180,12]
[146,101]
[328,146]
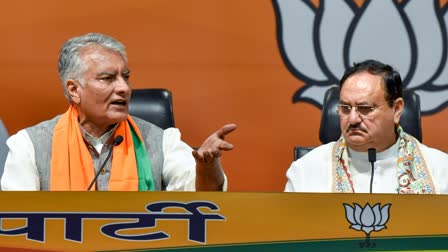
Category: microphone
[117,141]
[372,159]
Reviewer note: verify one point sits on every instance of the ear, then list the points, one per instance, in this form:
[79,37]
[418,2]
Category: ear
[398,109]
[73,88]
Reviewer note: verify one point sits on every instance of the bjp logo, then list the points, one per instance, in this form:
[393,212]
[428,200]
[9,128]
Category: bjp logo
[318,42]
[367,219]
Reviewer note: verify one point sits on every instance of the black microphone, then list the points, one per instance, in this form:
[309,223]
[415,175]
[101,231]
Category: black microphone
[117,141]
[372,159]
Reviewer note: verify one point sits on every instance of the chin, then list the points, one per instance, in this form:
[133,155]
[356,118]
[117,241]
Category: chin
[116,118]
[356,140]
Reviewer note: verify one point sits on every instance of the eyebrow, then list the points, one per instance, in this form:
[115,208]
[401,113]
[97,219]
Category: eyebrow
[107,73]
[364,103]
[113,73]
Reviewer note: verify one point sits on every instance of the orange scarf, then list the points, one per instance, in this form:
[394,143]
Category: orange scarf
[72,166]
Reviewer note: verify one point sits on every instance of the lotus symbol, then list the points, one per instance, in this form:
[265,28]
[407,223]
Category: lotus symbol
[367,219]
[318,42]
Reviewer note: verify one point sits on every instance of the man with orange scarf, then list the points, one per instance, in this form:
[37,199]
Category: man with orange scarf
[66,152]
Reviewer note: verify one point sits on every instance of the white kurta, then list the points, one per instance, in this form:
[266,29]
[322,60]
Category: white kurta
[313,172]
[179,166]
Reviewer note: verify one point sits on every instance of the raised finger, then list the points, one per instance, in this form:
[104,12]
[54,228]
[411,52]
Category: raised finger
[225,130]
[225,146]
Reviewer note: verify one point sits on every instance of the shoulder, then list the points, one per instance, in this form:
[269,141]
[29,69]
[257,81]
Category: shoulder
[436,161]
[322,151]
[145,125]
[43,128]
[318,157]
[24,138]
[53,120]
[312,172]
[433,153]
[21,137]
[150,132]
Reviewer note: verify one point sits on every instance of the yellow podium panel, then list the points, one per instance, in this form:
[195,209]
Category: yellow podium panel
[221,221]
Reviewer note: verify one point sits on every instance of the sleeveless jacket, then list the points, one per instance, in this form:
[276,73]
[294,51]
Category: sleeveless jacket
[42,137]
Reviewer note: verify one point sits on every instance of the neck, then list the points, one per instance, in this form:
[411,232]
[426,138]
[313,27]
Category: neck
[95,130]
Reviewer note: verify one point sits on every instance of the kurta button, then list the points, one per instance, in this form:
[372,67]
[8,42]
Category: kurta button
[103,171]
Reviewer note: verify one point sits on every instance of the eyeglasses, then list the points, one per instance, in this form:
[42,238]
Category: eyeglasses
[362,110]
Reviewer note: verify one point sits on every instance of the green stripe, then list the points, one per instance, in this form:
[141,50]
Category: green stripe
[144,169]
[438,243]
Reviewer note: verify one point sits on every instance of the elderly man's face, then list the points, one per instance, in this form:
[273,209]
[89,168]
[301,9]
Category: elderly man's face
[102,100]
[374,129]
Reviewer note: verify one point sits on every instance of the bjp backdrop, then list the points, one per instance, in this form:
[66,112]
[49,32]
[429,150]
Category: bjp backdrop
[261,64]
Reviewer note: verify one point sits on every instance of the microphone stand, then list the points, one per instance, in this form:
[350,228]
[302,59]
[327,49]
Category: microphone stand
[372,159]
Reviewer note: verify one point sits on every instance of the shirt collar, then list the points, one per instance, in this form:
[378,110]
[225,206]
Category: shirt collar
[98,142]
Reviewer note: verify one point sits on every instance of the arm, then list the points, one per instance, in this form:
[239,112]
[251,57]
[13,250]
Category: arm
[209,173]
[20,171]
[178,165]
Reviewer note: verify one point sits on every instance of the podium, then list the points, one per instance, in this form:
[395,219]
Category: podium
[221,221]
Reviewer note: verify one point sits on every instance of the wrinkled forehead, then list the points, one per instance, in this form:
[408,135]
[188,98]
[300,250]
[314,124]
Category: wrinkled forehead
[363,87]
[98,60]
[95,52]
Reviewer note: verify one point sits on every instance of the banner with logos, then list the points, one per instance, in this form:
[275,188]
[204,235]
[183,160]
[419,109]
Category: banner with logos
[147,221]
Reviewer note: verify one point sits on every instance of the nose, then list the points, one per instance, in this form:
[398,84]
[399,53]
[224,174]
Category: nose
[122,85]
[354,117]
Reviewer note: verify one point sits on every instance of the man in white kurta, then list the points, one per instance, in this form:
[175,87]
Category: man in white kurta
[312,172]
[370,107]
